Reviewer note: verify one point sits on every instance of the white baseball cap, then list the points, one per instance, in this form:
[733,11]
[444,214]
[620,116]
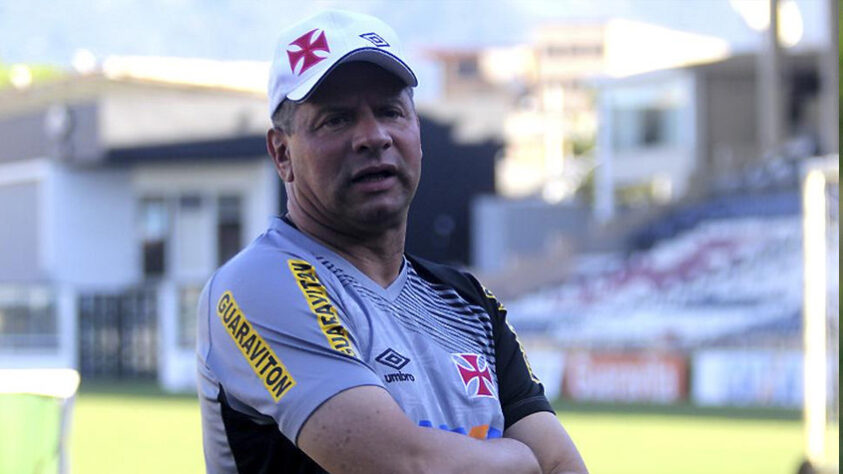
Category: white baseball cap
[312,48]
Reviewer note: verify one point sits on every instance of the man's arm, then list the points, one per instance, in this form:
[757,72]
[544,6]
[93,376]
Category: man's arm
[549,442]
[363,430]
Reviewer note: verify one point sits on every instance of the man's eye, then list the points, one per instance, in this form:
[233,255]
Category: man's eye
[335,121]
[392,113]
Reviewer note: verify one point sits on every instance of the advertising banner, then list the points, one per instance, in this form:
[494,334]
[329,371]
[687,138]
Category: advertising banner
[759,377]
[625,377]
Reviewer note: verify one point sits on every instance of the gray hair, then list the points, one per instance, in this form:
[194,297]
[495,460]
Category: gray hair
[284,116]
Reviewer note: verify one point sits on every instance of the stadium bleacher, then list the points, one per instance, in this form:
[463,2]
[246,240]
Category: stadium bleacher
[723,280]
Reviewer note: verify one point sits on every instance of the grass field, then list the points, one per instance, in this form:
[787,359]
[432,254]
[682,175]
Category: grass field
[136,429]
[632,440]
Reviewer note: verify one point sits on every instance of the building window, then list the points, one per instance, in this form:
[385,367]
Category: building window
[645,127]
[653,130]
[154,228]
[190,202]
[27,317]
[467,67]
[229,227]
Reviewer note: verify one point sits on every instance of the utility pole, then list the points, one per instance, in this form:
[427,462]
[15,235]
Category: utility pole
[769,79]
[829,81]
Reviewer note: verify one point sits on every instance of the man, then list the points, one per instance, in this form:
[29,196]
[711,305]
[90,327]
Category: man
[322,346]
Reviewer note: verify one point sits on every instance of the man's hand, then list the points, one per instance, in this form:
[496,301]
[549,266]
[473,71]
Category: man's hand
[550,443]
[363,430]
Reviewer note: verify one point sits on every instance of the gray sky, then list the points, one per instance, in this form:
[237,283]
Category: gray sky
[50,31]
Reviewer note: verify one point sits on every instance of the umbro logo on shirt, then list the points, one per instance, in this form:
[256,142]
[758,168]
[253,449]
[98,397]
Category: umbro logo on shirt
[394,360]
[391,358]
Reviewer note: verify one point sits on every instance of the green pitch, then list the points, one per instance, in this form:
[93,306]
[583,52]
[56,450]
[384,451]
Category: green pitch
[649,440]
[135,429]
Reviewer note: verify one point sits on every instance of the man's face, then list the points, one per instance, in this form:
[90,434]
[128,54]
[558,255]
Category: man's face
[355,151]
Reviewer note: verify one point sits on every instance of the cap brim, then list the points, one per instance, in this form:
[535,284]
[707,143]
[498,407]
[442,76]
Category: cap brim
[372,55]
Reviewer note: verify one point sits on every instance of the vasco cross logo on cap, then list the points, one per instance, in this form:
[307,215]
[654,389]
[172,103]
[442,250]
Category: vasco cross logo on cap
[303,50]
[475,375]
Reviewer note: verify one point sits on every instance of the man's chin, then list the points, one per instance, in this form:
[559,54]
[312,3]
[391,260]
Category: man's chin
[380,217]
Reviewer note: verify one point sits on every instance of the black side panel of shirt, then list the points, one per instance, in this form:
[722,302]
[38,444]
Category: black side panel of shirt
[520,395]
[262,448]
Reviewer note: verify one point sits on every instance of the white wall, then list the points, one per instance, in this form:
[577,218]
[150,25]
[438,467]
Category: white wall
[673,164]
[133,115]
[69,252]
[504,230]
[22,223]
[90,224]
[85,219]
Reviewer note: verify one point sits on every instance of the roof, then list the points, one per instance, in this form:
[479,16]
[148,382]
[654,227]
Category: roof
[80,87]
[738,64]
[244,147]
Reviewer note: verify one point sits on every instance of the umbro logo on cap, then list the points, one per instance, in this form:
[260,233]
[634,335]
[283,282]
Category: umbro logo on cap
[375,39]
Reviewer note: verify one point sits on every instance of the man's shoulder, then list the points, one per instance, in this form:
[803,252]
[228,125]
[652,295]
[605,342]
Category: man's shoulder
[440,272]
[461,280]
[264,262]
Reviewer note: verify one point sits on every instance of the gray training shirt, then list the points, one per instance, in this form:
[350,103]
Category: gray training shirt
[287,324]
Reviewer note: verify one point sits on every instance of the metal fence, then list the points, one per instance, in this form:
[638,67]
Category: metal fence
[118,334]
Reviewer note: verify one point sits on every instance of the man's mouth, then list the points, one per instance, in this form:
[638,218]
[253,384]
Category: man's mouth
[370,177]
[374,174]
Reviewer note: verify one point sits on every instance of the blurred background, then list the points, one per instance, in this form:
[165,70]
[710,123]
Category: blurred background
[651,187]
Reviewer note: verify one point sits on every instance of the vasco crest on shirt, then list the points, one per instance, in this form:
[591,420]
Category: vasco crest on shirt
[475,375]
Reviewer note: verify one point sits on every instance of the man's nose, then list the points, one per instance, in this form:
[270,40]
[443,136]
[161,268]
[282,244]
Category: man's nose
[370,134]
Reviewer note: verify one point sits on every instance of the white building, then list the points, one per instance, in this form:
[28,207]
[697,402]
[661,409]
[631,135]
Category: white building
[548,136]
[119,197]
[669,133]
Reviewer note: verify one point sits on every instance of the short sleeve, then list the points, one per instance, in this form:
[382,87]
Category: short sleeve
[279,344]
[521,393]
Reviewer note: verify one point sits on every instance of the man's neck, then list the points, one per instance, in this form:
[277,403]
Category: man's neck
[379,256]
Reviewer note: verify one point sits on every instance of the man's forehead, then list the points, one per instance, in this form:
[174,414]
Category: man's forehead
[357,78]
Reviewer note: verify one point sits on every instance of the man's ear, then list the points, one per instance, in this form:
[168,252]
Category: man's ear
[277,146]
